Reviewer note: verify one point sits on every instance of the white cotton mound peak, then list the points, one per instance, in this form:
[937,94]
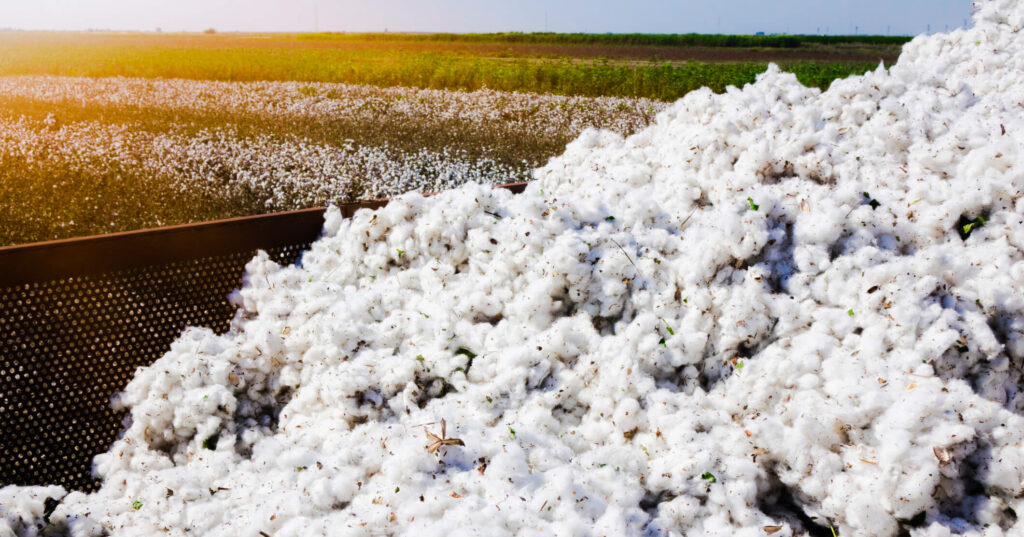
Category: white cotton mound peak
[773,312]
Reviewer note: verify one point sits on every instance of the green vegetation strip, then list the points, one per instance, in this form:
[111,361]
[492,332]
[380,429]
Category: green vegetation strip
[393,68]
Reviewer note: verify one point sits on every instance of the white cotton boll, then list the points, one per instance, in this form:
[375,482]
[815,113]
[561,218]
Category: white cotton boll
[1005,469]
[864,515]
[682,511]
[22,506]
[824,226]
[811,258]
[627,414]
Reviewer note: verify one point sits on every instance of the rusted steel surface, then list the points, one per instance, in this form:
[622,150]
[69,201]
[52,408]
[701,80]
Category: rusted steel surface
[77,317]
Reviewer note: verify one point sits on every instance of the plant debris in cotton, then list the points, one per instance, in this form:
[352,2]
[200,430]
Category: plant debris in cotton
[776,311]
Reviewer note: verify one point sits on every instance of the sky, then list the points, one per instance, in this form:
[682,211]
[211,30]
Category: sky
[907,17]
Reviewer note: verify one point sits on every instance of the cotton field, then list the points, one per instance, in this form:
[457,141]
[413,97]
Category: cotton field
[265,146]
[542,115]
[775,311]
[286,173]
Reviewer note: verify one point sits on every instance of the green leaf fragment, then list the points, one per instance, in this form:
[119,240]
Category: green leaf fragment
[965,226]
[609,218]
[136,505]
[753,206]
[709,477]
[739,365]
[850,312]
[211,442]
[400,252]
[871,201]
[466,352]
[662,343]
[512,432]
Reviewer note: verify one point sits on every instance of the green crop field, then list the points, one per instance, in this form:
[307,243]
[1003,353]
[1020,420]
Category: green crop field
[569,68]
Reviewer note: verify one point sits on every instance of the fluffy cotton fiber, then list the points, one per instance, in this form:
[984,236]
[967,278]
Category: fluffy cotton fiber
[775,311]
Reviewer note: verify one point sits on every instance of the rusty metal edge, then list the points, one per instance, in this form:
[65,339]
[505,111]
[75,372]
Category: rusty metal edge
[99,254]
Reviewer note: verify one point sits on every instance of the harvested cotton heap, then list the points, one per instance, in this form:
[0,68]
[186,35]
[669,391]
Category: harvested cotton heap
[776,311]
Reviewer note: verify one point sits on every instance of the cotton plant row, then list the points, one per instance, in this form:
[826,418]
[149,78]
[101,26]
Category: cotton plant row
[294,173]
[777,311]
[285,172]
[542,114]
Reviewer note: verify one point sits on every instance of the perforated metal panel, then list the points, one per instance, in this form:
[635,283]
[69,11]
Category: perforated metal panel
[67,345]
[77,317]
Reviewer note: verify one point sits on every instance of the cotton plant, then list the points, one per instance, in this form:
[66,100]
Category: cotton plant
[285,172]
[541,114]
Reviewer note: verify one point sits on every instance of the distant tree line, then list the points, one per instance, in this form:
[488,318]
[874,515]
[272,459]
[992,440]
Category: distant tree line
[660,40]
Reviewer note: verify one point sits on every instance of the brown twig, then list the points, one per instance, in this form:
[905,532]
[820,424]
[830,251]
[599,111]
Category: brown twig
[630,259]
[438,441]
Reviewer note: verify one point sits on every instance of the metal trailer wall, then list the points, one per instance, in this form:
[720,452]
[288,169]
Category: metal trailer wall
[79,316]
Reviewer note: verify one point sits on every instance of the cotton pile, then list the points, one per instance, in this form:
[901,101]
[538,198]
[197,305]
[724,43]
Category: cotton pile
[776,311]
